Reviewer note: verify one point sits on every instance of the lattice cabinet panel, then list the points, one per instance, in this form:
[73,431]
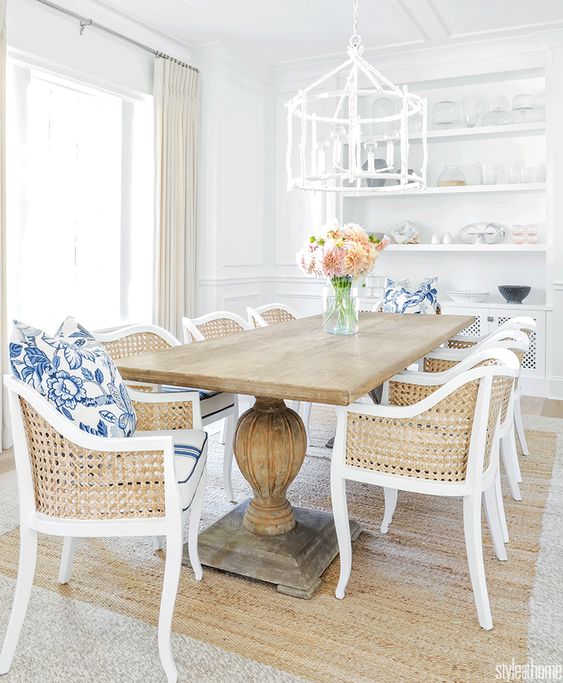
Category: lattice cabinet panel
[477,329]
[533,363]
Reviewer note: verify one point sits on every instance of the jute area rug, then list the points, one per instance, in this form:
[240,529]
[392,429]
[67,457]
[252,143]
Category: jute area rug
[408,614]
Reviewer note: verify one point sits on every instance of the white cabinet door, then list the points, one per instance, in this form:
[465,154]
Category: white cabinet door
[533,363]
[479,328]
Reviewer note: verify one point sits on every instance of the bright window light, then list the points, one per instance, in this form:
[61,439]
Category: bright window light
[80,210]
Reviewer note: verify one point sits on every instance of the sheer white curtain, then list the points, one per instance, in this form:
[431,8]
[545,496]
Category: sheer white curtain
[176,106]
[4,421]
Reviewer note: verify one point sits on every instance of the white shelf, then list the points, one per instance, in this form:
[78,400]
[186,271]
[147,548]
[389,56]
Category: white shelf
[512,129]
[495,248]
[461,189]
[497,303]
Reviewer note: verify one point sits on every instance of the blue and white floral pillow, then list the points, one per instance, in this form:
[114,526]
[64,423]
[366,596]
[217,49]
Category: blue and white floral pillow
[398,297]
[76,375]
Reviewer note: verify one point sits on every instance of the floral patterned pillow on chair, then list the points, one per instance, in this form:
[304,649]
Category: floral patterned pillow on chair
[76,375]
[399,297]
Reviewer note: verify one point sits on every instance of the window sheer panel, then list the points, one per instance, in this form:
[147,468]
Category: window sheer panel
[72,171]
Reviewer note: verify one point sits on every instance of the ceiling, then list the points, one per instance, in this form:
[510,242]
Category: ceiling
[285,30]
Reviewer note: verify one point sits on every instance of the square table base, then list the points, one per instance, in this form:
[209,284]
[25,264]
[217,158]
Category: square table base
[293,561]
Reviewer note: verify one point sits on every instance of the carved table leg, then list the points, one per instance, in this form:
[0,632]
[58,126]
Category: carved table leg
[264,537]
[270,445]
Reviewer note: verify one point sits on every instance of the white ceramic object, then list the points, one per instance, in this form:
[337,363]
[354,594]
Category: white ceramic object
[436,239]
[405,233]
[463,296]
[447,239]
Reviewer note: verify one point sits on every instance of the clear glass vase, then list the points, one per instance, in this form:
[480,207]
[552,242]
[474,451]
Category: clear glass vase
[340,306]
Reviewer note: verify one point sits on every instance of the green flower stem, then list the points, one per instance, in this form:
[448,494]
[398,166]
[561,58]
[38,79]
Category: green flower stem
[341,314]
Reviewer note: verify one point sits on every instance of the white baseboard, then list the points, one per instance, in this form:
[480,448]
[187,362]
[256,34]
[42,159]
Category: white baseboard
[556,387]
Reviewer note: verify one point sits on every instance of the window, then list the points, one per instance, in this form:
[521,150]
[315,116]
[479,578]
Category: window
[80,209]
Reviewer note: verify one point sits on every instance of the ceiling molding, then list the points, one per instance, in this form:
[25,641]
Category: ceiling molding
[436,19]
[542,27]
[408,16]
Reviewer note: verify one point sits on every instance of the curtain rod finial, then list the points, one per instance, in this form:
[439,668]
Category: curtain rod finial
[84,24]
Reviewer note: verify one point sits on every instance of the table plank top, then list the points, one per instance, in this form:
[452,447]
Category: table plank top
[297,360]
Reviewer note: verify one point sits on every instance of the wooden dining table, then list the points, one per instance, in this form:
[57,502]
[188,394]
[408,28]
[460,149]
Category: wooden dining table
[265,537]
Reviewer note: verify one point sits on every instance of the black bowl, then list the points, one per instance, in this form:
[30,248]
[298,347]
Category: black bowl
[514,294]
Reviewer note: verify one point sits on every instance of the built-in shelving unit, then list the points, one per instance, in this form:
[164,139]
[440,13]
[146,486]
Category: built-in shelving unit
[481,248]
[513,129]
[460,189]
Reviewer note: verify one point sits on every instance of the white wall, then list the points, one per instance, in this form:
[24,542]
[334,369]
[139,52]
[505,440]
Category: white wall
[234,221]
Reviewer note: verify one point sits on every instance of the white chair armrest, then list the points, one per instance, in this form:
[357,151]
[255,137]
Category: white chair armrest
[510,369]
[78,436]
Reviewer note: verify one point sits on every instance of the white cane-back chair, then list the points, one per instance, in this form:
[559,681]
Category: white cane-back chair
[409,387]
[445,444]
[77,485]
[444,358]
[270,314]
[520,322]
[378,308]
[215,326]
[133,340]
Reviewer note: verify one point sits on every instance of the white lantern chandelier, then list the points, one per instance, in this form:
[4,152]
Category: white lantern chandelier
[355,137]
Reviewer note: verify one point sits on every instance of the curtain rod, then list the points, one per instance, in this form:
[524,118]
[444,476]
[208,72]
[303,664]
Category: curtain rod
[89,23]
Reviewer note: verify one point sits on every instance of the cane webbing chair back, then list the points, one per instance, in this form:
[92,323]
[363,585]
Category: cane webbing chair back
[78,483]
[433,445]
[220,327]
[271,314]
[164,415]
[135,344]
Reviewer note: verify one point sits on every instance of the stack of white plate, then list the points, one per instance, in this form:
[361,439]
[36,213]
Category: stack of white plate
[467,297]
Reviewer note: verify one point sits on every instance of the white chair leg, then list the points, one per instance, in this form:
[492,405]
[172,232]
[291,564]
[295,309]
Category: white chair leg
[67,557]
[193,528]
[493,522]
[222,431]
[500,508]
[172,569]
[520,426]
[24,583]
[230,426]
[474,547]
[157,543]
[390,505]
[342,525]
[510,461]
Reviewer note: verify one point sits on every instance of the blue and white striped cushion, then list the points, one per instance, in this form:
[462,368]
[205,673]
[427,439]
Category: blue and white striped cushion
[203,394]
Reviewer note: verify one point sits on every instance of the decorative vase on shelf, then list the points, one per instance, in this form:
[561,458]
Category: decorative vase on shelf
[451,176]
[343,255]
[340,306]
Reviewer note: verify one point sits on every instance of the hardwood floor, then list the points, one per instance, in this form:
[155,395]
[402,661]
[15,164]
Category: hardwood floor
[6,461]
[545,407]
[531,405]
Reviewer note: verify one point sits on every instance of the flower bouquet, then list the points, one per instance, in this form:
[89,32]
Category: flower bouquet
[343,255]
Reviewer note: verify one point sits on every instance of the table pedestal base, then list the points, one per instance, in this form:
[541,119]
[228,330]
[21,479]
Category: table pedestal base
[294,561]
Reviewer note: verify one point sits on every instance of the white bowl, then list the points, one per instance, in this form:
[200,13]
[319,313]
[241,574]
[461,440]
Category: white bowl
[463,297]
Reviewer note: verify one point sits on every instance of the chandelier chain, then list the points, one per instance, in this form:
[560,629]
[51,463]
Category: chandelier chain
[355,40]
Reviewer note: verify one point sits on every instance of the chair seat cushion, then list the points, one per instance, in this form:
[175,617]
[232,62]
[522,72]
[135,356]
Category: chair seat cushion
[76,375]
[203,393]
[190,455]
